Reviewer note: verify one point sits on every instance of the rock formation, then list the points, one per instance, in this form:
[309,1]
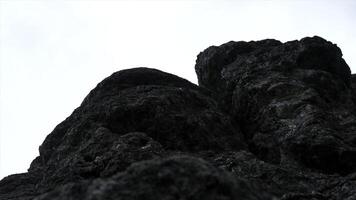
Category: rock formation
[269,120]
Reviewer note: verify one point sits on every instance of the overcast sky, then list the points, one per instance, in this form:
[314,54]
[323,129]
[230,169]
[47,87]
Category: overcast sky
[52,53]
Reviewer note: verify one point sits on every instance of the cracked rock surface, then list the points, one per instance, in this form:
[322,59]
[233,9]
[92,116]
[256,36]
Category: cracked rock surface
[269,120]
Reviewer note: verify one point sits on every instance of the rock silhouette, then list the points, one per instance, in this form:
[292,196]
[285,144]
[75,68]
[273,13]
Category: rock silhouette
[269,120]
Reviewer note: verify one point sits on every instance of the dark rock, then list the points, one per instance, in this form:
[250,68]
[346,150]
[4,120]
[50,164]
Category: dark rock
[270,121]
[172,178]
[285,182]
[292,100]
[19,186]
[133,115]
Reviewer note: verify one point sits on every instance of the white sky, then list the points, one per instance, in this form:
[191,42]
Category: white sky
[52,53]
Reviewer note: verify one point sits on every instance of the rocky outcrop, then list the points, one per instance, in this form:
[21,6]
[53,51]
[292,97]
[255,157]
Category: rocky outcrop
[270,120]
[293,101]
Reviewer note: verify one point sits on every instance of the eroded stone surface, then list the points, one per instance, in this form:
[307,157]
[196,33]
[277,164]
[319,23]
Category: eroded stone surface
[170,178]
[269,121]
[133,115]
[293,100]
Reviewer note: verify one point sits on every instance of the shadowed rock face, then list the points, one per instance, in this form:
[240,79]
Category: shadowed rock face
[292,100]
[133,115]
[270,120]
[183,177]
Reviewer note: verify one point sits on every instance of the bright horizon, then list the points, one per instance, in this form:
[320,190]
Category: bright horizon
[52,53]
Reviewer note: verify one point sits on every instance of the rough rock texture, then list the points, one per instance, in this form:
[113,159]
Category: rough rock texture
[293,101]
[183,177]
[270,120]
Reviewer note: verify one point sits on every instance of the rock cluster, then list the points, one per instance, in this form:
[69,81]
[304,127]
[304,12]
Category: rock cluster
[269,120]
